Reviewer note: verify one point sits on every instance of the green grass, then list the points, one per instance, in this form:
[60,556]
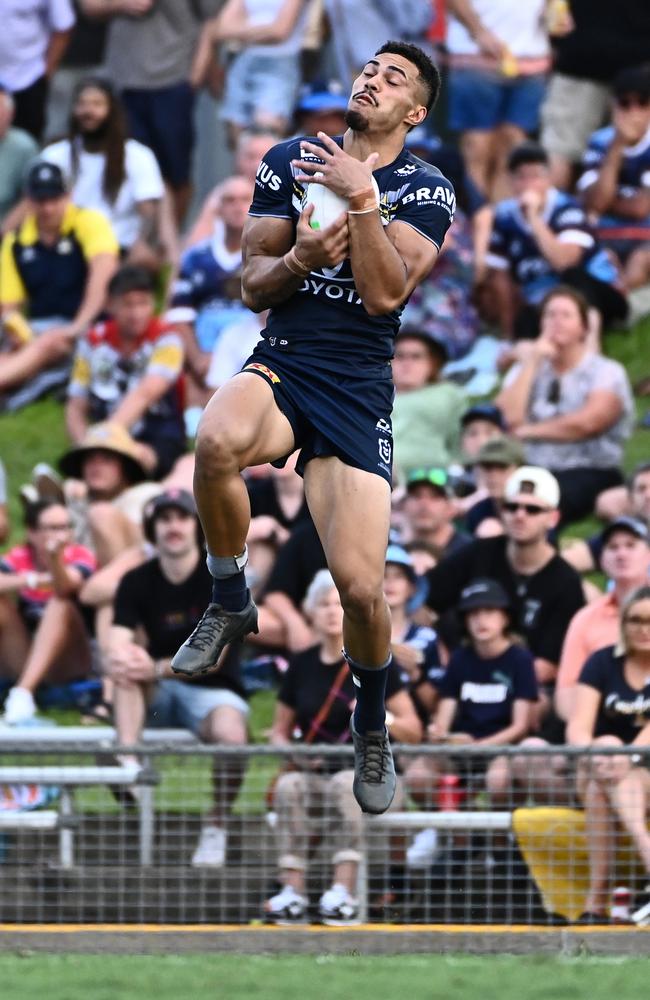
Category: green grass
[106,977]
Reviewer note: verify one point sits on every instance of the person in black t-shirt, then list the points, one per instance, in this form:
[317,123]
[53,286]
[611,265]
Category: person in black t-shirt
[164,598]
[612,708]
[486,694]
[315,794]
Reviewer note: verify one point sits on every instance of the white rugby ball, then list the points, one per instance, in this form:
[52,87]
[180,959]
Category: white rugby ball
[327,205]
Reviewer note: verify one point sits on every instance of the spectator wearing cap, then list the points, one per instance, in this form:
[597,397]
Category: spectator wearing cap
[429,512]
[42,631]
[572,408]
[615,181]
[17,149]
[54,271]
[634,499]
[427,409]
[162,600]
[128,370]
[625,559]
[414,647]
[321,107]
[495,462]
[545,591]
[264,77]
[34,38]
[486,695]
[478,424]
[541,237]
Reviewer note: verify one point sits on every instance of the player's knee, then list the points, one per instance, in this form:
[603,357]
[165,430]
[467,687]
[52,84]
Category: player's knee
[361,598]
[217,451]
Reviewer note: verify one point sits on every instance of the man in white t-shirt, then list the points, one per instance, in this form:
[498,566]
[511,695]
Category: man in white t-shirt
[108,172]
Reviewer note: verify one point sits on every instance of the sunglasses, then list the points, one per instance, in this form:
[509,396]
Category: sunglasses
[632,101]
[529,508]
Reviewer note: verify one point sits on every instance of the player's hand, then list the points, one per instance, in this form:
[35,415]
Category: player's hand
[340,172]
[322,247]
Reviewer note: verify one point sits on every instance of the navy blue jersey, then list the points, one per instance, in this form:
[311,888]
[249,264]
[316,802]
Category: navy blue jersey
[513,245]
[325,320]
[623,711]
[486,690]
[207,290]
[633,176]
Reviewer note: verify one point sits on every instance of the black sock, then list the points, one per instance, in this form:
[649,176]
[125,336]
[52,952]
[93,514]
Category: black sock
[231,592]
[370,684]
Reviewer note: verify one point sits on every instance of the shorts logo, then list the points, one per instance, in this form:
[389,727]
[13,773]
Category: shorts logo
[263,370]
[385,450]
[383,425]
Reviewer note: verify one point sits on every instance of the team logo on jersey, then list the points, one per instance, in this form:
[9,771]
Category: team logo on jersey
[385,449]
[407,169]
[263,370]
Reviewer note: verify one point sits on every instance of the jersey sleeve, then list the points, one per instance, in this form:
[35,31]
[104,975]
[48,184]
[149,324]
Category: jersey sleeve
[125,606]
[497,252]
[525,681]
[594,673]
[167,356]
[274,185]
[144,173]
[427,204]
[570,225]
[592,159]
[79,384]
[95,234]
[12,289]
[450,683]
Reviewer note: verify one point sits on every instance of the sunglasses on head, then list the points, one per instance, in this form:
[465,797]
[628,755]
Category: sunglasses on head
[628,101]
[512,506]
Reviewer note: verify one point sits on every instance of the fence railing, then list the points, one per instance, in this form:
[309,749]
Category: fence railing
[173,831]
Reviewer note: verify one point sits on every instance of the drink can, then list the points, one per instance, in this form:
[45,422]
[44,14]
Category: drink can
[620,911]
[450,793]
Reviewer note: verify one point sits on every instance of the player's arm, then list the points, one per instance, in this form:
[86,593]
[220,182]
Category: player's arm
[273,268]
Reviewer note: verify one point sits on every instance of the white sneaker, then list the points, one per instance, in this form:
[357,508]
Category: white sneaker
[337,908]
[286,907]
[211,849]
[19,706]
[422,851]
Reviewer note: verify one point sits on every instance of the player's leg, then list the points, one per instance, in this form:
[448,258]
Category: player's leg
[351,511]
[242,425]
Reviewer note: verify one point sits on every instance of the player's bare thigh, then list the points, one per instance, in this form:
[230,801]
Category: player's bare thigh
[242,422]
[351,512]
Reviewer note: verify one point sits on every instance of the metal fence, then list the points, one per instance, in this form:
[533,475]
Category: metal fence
[497,835]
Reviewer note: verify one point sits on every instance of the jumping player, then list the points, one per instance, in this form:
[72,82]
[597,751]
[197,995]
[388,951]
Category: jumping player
[321,379]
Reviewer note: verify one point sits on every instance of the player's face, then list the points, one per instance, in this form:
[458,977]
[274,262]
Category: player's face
[626,557]
[91,110]
[486,624]
[385,93]
[54,528]
[133,311]
[562,323]
[640,494]
[397,586]
[327,615]
[234,202]
[175,532]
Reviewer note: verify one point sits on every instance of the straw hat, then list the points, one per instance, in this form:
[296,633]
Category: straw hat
[110,438]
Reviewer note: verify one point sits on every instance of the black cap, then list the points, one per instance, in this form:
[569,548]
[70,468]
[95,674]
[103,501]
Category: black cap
[633,80]
[632,525]
[484,411]
[483,593]
[175,499]
[322,95]
[43,181]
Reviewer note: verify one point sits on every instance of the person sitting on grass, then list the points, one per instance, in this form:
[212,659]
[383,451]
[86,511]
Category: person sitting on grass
[42,632]
[314,794]
[161,600]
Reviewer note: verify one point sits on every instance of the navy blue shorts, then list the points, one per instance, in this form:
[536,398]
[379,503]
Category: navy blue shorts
[163,119]
[347,416]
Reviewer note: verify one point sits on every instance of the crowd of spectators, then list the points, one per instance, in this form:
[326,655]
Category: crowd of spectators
[120,291]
